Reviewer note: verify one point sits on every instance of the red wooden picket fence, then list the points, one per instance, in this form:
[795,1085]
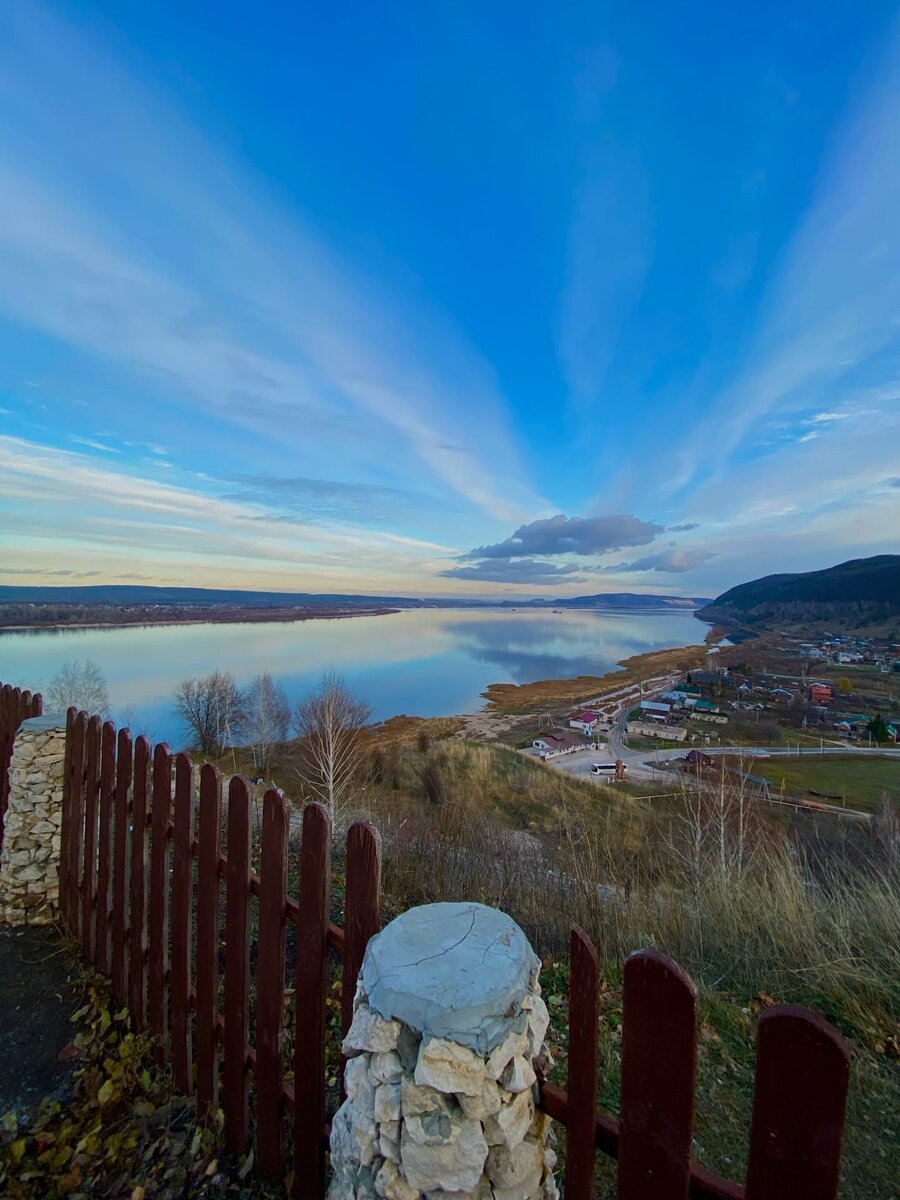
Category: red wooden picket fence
[146,888]
[16,706]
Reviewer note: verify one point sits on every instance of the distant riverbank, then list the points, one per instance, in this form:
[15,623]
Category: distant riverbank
[225,616]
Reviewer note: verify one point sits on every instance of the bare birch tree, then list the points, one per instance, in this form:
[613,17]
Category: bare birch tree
[80,684]
[329,724]
[265,719]
[209,709]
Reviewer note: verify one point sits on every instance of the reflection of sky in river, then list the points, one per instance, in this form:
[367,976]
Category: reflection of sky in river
[426,662]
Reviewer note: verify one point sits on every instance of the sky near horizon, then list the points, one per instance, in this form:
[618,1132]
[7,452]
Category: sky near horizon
[452,299]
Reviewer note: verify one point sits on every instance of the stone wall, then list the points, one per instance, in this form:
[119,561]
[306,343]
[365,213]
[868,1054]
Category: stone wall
[447,1031]
[29,862]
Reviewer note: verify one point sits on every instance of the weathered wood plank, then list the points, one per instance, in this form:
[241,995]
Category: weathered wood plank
[270,988]
[104,845]
[799,1106]
[582,1080]
[659,1043]
[89,864]
[311,984]
[157,901]
[237,968]
[207,948]
[137,886]
[121,847]
[180,971]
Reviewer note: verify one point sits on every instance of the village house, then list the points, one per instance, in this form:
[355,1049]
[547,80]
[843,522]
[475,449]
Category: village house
[560,741]
[820,693]
[585,721]
[655,709]
[663,732]
[707,679]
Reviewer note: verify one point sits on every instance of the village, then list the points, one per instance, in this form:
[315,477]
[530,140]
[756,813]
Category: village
[829,697]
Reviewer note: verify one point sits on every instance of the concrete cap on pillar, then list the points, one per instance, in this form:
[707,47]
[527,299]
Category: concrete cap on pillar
[454,971]
[43,724]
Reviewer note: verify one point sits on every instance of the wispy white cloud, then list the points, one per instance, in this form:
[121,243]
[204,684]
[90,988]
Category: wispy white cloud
[269,312]
[831,315]
[109,508]
[93,445]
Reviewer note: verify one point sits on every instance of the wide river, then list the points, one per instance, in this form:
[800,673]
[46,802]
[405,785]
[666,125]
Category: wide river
[424,662]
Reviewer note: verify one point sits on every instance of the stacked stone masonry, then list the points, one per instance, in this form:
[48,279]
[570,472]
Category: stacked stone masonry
[29,863]
[431,1116]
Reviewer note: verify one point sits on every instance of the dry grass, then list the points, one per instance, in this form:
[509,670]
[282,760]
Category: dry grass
[522,697]
[711,880]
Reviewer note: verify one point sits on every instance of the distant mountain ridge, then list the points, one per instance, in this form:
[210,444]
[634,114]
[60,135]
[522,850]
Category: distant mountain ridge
[614,600]
[139,594]
[862,588]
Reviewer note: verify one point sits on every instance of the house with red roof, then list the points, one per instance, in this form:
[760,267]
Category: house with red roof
[585,721]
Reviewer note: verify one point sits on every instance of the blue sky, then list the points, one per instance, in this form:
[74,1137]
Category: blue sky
[458,299]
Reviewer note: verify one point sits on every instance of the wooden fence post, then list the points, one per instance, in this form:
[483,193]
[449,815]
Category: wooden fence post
[270,987]
[659,1044]
[137,887]
[237,970]
[91,786]
[362,912]
[207,949]
[157,901]
[799,1102]
[311,980]
[66,820]
[121,815]
[584,975]
[76,845]
[104,845]
[180,970]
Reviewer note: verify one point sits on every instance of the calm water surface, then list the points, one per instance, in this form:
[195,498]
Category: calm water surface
[425,662]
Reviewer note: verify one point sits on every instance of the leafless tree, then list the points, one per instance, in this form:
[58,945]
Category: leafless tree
[209,709]
[80,684]
[265,719]
[329,724]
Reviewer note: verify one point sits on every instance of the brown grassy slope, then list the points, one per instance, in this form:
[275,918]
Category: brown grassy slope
[512,697]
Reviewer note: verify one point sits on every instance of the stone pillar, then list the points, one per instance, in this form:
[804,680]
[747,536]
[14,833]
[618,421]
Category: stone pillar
[448,1028]
[29,863]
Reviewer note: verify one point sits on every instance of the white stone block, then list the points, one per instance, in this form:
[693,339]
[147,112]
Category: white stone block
[513,1044]
[519,1075]
[387,1102]
[510,1125]
[368,1031]
[485,1104]
[415,1100]
[510,1169]
[386,1067]
[360,1090]
[391,1185]
[450,1068]
[453,1162]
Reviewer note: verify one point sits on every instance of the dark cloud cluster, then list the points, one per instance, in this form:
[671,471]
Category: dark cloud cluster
[572,535]
[522,557]
[515,570]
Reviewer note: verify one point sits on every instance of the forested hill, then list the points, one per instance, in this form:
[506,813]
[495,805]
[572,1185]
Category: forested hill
[859,590]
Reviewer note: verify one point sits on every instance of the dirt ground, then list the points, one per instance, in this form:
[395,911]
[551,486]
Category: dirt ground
[36,1002]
